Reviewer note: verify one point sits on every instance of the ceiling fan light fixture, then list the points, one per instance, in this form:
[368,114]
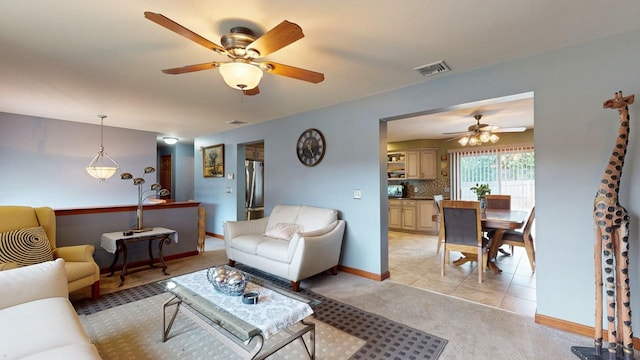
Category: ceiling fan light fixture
[494,138]
[240,75]
[485,136]
[463,140]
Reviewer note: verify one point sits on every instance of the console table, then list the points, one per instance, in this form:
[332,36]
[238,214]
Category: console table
[116,243]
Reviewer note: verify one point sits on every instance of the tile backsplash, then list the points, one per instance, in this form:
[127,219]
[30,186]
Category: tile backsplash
[427,188]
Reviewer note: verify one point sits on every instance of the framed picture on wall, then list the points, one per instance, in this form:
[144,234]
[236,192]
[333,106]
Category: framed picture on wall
[213,161]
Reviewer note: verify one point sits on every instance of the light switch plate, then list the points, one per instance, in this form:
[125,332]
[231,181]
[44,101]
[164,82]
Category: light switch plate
[230,176]
[229,190]
[357,194]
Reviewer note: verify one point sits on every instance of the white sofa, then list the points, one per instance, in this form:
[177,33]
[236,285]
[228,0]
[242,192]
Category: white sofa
[294,242]
[37,321]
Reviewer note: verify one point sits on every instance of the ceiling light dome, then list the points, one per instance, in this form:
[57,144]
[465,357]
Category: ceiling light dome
[170,140]
[240,75]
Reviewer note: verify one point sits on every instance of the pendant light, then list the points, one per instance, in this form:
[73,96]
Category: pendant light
[102,166]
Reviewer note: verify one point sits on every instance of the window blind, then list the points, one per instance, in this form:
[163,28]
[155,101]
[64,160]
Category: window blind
[508,170]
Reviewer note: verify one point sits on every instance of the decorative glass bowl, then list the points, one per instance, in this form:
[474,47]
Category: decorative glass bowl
[227,280]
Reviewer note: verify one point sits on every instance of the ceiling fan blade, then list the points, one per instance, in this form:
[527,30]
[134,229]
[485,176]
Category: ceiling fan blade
[294,72]
[181,30]
[191,68]
[275,39]
[457,137]
[510,129]
[457,133]
[254,91]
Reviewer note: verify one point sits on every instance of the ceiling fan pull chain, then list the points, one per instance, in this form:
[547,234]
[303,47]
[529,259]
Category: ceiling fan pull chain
[242,97]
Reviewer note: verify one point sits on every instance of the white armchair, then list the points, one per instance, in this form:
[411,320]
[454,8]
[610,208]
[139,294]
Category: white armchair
[294,242]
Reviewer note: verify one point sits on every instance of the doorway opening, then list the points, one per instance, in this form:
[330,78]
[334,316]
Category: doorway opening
[254,181]
[413,256]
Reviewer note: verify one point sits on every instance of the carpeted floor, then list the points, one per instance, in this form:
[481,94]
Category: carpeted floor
[133,331]
[473,331]
[365,335]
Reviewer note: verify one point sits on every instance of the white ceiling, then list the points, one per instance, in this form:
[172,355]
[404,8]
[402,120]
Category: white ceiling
[74,59]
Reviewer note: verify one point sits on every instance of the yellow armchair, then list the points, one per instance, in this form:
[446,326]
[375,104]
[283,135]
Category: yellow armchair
[81,268]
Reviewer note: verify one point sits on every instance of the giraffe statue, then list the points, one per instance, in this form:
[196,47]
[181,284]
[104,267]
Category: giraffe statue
[612,241]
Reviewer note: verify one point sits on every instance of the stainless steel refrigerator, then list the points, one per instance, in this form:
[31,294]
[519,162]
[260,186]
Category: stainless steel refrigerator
[254,195]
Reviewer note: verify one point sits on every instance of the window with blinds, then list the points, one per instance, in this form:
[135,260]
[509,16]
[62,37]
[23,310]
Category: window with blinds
[508,170]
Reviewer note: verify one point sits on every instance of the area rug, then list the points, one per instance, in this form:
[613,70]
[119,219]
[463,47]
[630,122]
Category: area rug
[134,331]
[132,320]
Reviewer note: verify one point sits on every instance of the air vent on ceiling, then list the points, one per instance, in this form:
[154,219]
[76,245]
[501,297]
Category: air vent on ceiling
[433,69]
[237,122]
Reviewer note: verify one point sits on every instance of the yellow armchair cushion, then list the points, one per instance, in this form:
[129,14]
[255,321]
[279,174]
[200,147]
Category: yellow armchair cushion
[75,253]
[8,266]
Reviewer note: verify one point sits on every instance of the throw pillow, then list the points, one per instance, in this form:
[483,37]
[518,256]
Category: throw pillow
[26,246]
[283,231]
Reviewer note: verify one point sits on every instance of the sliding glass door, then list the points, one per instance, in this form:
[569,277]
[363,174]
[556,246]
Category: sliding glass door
[508,170]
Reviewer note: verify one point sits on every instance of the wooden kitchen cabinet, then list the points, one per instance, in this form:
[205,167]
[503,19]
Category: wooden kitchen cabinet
[402,214]
[395,214]
[428,165]
[420,164]
[412,164]
[426,210]
[409,215]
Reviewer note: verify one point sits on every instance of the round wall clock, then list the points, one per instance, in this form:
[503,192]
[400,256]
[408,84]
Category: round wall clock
[311,147]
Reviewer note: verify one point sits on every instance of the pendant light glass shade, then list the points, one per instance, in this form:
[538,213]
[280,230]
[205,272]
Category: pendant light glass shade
[241,75]
[102,166]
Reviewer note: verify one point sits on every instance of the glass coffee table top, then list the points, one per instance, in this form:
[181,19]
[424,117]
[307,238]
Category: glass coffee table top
[277,309]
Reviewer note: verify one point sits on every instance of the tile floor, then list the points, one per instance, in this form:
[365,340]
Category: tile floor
[413,261]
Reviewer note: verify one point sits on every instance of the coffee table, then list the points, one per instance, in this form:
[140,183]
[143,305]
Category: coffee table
[255,331]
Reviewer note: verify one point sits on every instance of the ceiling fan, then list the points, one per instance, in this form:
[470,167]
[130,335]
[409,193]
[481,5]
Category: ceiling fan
[478,133]
[242,47]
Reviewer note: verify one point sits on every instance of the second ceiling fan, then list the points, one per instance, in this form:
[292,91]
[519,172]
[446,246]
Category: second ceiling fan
[242,47]
[478,133]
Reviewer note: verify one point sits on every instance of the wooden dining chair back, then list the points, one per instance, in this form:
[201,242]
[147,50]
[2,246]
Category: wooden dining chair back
[498,201]
[437,201]
[523,238]
[461,230]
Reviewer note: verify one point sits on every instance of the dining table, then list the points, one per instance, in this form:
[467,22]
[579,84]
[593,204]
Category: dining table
[498,220]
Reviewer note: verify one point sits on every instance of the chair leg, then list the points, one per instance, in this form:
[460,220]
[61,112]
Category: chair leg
[232,263]
[445,253]
[481,263]
[531,254]
[295,286]
[439,245]
[95,290]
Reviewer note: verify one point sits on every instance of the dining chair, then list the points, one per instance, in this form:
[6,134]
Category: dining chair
[498,201]
[523,239]
[461,230]
[437,200]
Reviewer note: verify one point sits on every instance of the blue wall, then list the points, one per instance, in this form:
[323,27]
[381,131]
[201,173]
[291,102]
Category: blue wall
[574,137]
[42,162]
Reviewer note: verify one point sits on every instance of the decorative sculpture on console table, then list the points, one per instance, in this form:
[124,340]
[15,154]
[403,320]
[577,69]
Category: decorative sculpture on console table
[139,181]
[612,241]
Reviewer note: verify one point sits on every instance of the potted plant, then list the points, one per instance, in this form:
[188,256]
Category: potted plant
[481,190]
